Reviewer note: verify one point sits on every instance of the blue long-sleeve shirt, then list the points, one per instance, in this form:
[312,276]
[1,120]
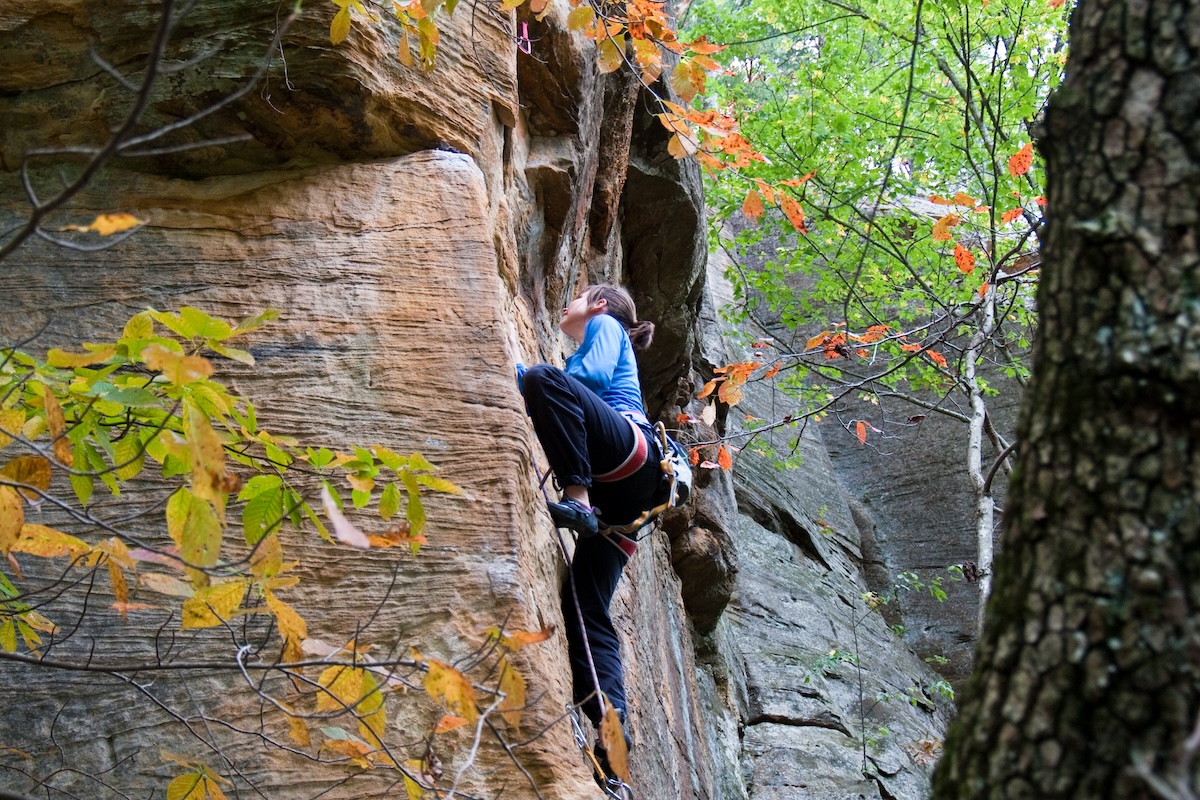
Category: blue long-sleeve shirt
[605,363]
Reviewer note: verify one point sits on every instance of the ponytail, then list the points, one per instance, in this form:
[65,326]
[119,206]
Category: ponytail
[620,306]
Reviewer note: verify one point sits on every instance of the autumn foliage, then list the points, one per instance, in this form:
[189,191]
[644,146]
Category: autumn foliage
[147,410]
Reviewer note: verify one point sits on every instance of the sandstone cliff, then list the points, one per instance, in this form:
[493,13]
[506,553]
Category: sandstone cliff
[420,232]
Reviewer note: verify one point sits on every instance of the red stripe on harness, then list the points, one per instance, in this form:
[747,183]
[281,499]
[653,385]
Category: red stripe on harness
[633,462]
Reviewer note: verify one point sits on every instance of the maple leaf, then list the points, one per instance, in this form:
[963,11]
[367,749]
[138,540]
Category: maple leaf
[964,259]
[752,206]
[1021,161]
[941,228]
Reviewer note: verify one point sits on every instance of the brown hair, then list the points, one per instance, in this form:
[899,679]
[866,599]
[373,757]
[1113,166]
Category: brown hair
[621,307]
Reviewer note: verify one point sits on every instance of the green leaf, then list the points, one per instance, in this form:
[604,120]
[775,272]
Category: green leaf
[204,326]
[259,484]
[262,514]
[130,456]
[255,322]
[389,501]
[82,483]
[139,326]
[414,512]
[360,498]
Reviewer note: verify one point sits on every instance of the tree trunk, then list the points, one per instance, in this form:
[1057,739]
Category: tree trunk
[1087,682]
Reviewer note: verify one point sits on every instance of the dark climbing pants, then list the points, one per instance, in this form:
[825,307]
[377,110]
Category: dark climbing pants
[582,435]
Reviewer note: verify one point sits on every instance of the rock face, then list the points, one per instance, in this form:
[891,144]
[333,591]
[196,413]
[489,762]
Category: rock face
[420,232]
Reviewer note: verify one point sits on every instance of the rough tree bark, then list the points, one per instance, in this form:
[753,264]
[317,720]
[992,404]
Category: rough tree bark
[1087,682]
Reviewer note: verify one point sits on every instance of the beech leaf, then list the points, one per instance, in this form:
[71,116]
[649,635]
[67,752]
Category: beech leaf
[612,738]
[448,686]
[964,259]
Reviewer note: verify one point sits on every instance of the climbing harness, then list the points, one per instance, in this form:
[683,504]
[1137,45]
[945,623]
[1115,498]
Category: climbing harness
[677,479]
[611,786]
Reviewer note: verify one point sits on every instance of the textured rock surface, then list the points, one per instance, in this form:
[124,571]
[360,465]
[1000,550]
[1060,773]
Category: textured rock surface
[421,232]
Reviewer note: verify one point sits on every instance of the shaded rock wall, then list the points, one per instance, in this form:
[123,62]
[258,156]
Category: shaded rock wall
[421,233]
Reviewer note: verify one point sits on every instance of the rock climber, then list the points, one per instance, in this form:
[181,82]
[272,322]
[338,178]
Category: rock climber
[592,425]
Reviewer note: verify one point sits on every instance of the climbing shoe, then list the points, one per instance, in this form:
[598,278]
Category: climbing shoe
[570,513]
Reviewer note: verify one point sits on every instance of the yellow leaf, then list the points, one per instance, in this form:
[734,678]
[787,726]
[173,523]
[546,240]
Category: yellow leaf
[613,740]
[177,368]
[513,687]
[212,605]
[193,525]
[403,51]
[611,53]
[214,791]
[297,728]
[339,29]
[140,326]
[107,224]
[12,517]
[343,687]
[649,58]
[119,584]
[11,421]
[97,355]
[187,787]
[208,455]
[413,789]
[30,470]
[39,540]
[372,711]
[8,636]
[267,557]
[291,625]
[115,549]
[581,17]
[447,685]
[681,81]
[58,428]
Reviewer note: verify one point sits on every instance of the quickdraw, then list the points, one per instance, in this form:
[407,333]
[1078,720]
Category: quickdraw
[612,787]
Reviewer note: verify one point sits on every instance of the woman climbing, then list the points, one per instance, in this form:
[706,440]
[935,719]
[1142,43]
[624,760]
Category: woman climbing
[593,428]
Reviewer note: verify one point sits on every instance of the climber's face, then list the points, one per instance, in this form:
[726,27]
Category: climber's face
[576,315]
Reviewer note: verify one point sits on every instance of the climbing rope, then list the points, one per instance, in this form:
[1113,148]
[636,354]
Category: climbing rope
[611,785]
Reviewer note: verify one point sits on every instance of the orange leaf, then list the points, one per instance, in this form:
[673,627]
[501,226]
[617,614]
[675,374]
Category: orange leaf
[1021,161]
[964,199]
[449,722]
[981,209]
[767,191]
[910,348]
[793,212]
[724,459]
[941,228]
[1011,214]
[708,388]
[937,358]
[983,289]
[799,181]
[939,200]
[817,340]
[860,430]
[108,224]
[1041,201]
[752,207]
[1056,3]
[964,259]
[703,47]
[772,372]
[694,456]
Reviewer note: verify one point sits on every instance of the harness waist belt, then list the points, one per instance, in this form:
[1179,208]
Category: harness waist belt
[636,458]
